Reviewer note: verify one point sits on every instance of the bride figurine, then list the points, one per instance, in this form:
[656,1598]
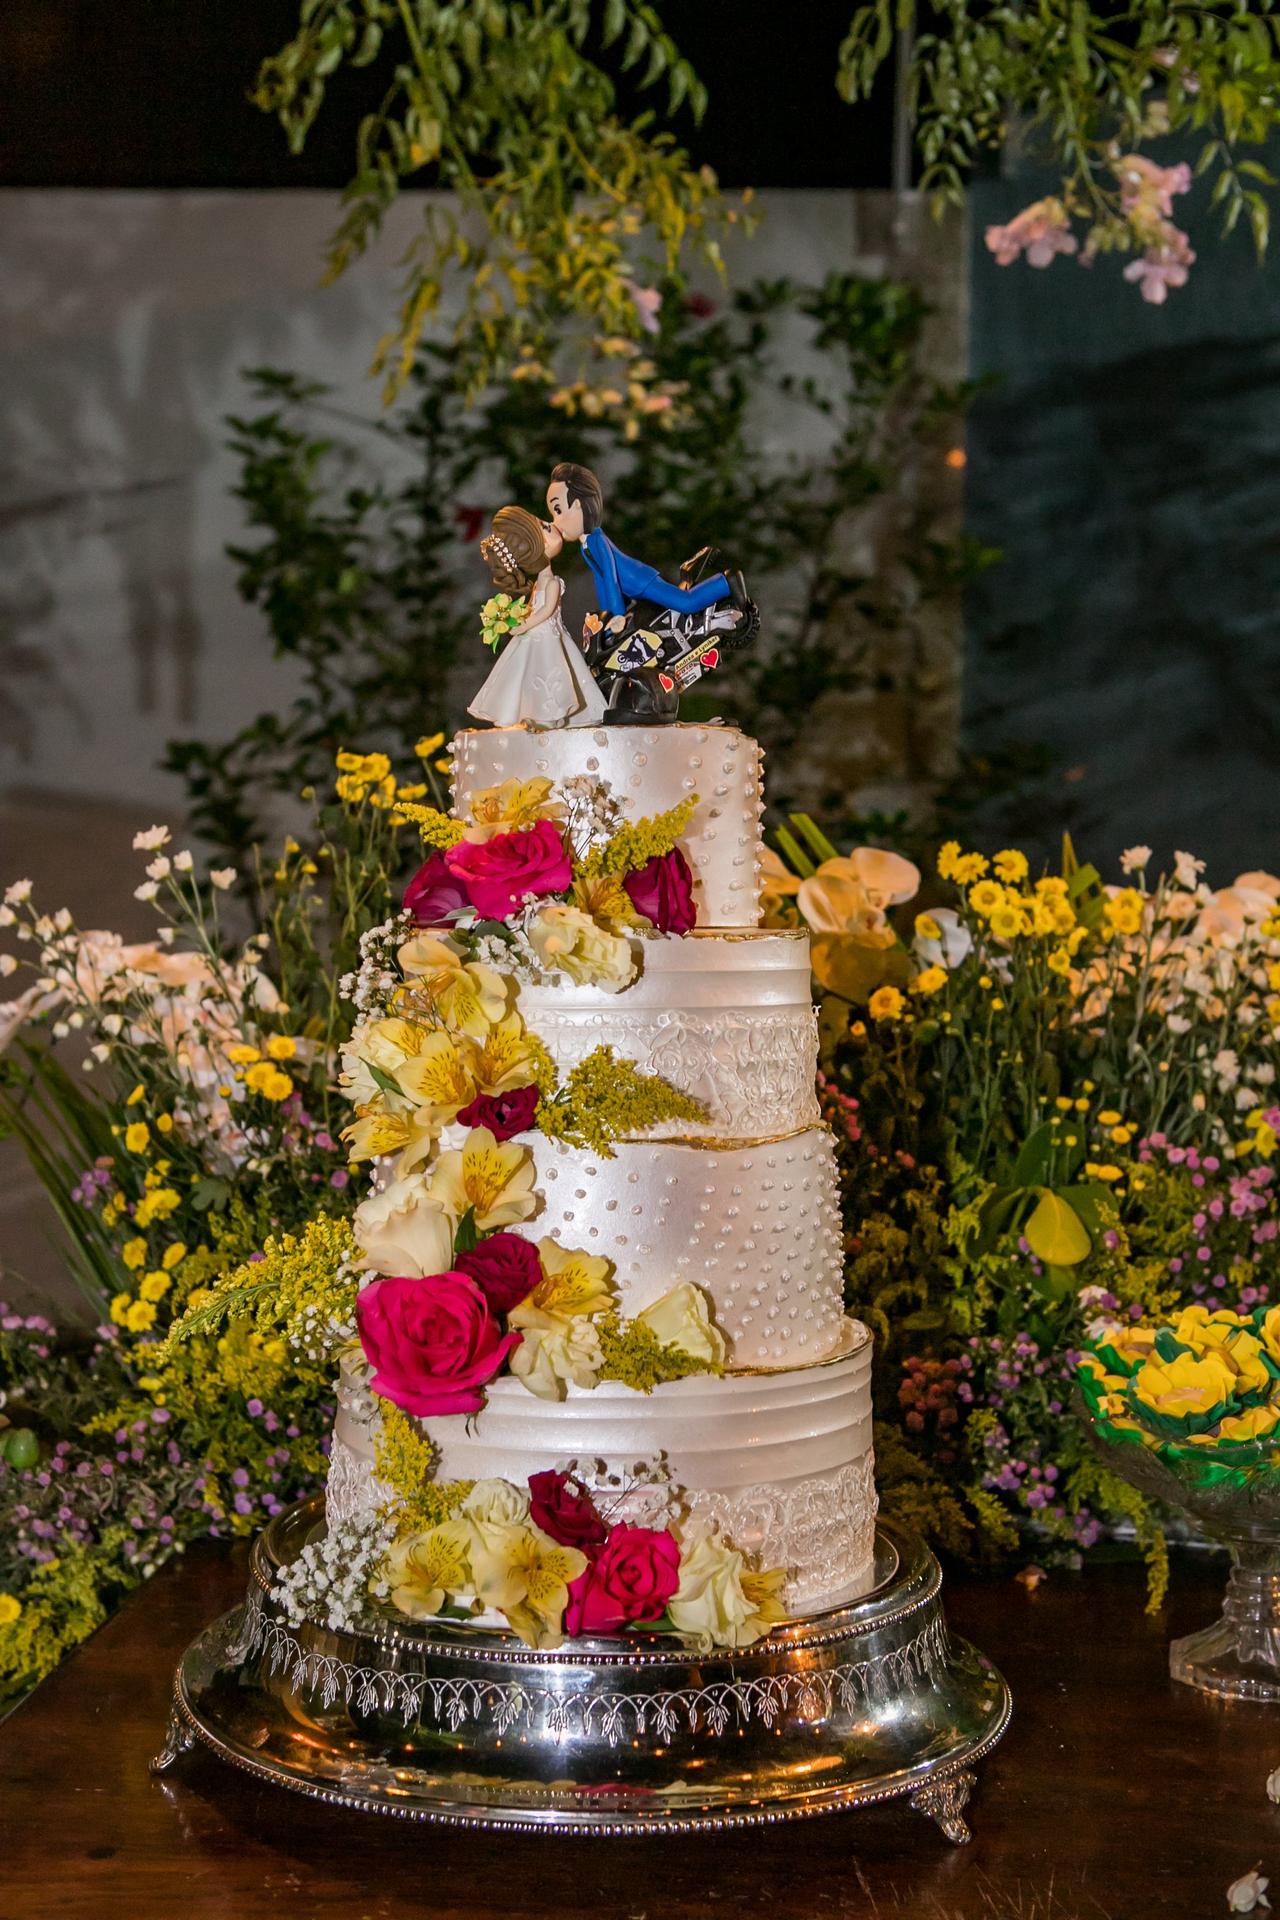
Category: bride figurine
[540,676]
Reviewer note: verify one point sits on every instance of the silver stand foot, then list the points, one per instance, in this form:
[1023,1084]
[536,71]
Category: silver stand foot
[944,1801]
[178,1740]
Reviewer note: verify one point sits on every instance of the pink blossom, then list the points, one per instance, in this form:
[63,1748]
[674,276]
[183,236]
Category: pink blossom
[647,302]
[1147,188]
[1041,230]
[1161,267]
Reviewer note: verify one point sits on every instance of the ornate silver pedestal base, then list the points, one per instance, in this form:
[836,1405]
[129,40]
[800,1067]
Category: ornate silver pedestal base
[471,1728]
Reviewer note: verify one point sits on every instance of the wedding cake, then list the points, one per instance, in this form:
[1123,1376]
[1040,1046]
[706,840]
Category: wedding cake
[680,1363]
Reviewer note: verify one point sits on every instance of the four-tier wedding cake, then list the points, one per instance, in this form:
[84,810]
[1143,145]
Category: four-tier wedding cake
[585,1084]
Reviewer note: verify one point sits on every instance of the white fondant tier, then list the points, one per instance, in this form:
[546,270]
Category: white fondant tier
[757,1228]
[726,1017]
[782,1461]
[647,771]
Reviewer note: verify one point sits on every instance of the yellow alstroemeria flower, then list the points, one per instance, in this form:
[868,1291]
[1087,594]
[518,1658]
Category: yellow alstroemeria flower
[525,1575]
[572,1283]
[375,1135]
[514,804]
[1189,1385]
[467,997]
[505,1058]
[385,1044]
[439,1078]
[604,898]
[496,1179]
[426,1569]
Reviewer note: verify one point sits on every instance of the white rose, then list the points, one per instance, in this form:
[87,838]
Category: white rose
[681,1319]
[566,940]
[549,1358]
[402,1231]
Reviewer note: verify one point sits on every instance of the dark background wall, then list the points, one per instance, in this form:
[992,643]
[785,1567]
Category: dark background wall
[1126,459]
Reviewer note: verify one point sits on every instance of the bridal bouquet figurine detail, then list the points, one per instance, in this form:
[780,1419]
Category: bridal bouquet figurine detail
[540,676]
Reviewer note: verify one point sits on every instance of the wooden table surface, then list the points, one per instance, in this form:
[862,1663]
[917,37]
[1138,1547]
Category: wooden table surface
[1115,1793]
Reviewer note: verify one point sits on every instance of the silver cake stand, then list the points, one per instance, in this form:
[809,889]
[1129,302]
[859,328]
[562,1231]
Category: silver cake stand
[470,1728]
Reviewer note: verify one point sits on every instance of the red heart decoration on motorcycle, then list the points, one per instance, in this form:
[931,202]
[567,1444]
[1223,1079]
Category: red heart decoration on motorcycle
[711,658]
[666,682]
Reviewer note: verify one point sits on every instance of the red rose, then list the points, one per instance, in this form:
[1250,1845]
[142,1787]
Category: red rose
[433,1344]
[632,1578]
[504,1267]
[565,1510]
[434,893]
[498,873]
[504,1114]
[662,890]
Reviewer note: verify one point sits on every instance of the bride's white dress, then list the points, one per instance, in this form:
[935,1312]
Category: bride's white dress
[540,675]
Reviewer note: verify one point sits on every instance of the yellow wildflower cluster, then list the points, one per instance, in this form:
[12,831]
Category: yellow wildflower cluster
[606,1099]
[639,841]
[405,1460]
[261,1075]
[294,1293]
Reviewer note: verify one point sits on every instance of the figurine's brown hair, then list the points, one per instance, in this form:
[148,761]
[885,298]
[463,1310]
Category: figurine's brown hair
[515,552]
[581,485]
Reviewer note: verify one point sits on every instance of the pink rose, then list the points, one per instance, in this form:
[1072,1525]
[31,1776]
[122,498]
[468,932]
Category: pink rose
[564,1509]
[433,1344]
[632,1578]
[498,873]
[504,1114]
[504,1267]
[434,893]
[662,890]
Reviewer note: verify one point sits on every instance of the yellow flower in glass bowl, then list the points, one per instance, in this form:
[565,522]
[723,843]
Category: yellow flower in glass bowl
[1255,1423]
[1269,1331]
[1189,1387]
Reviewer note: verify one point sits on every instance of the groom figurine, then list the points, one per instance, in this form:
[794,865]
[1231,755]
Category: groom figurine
[575,502]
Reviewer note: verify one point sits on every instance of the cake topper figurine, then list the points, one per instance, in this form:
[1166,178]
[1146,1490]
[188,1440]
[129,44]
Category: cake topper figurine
[540,675]
[650,638]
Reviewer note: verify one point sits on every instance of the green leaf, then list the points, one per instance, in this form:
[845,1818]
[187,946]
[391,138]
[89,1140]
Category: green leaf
[210,1194]
[793,853]
[384,1080]
[1055,1232]
[1032,1165]
[466,1236]
[813,834]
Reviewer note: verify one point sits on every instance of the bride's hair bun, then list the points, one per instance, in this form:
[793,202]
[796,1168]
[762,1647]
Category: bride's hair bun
[515,552]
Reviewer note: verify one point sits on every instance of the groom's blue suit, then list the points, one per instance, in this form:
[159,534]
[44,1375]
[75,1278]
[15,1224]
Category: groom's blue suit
[619,578]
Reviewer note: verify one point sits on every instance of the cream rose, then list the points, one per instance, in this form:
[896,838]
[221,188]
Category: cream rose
[566,940]
[550,1358]
[718,1603]
[491,1507]
[681,1319]
[403,1231]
